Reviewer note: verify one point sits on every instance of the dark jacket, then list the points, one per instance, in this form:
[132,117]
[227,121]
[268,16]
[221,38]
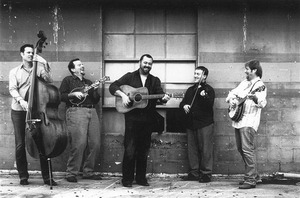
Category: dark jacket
[153,85]
[201,113]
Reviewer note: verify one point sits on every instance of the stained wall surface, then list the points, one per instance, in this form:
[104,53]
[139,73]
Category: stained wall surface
[110,38]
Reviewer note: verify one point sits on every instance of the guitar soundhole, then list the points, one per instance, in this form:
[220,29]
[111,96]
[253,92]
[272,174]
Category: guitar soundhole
[137,97]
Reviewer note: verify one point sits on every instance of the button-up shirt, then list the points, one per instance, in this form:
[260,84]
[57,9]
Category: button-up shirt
[69,83]
[19,83]
[252,110]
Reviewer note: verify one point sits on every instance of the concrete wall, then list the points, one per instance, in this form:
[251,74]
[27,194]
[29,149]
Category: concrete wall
[229,34]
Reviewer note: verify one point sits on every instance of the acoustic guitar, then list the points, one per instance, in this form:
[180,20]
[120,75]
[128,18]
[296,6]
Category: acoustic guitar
[139,98]
[235,111]
[85,89]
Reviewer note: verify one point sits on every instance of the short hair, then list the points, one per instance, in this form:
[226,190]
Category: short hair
[71,64]
[254,64]
[204,69]
[22,48]
[147,55]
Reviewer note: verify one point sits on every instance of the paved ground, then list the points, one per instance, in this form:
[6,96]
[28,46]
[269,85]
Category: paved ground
[160,186]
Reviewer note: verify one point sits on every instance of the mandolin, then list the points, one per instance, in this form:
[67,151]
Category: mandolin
[85,89]
[139,98]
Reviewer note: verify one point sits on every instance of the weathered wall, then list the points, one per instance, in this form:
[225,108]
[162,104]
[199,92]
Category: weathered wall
[71,33]
[228,35]
[231,35]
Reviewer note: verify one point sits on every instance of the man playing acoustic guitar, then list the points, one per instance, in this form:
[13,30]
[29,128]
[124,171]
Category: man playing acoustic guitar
[138,121]
[248,98]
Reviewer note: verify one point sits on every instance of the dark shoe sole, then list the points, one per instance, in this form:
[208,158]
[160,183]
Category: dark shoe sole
[246,186]
[71,179]
[24,182]
[143,183]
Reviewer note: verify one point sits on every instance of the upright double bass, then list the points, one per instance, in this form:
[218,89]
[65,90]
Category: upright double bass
[46,134]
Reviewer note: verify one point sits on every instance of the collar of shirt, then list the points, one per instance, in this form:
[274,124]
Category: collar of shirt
[255,80]
[28,70]
[76,77]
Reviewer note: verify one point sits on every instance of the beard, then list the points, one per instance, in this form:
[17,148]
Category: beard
[145,70]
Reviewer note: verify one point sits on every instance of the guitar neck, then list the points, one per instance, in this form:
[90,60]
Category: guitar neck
[154,96]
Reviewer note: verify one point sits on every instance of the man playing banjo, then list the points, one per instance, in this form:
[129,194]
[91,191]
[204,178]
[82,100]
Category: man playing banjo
[252,92]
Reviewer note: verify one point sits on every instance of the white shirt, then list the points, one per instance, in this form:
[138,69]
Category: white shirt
[252,111]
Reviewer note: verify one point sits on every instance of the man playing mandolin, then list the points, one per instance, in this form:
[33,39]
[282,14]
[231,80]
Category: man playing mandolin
[19,84]
[138,121]
[82,122]
[246,102]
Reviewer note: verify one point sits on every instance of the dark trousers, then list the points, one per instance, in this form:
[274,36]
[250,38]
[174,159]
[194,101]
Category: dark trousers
[200,151]
[18,119]
[137,144]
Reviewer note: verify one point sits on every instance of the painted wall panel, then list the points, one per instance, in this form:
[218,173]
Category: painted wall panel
[150,21]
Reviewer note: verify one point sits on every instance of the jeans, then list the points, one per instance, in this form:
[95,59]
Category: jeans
[84,140]
[18,119]
[200,151]
[137,143]
[245,145]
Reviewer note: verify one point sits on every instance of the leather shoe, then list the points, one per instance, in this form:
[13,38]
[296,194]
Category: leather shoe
[71,179]
[92,177]
[205,179]
[189,178]
[241,182]
[48,182]
[126,183]
[143,183]
[247,186]
[24,182]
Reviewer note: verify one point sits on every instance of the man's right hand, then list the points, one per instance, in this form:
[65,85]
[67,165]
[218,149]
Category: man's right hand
[126,100]
[77,94]
[24,105]
[186,108]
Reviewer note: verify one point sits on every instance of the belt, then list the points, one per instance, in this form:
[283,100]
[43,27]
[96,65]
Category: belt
[83,106]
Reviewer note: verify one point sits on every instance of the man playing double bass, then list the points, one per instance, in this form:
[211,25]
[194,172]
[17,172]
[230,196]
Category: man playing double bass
[19,84]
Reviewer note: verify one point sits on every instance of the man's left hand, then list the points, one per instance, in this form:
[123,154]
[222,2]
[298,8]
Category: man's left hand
[253,97]
[166,97]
